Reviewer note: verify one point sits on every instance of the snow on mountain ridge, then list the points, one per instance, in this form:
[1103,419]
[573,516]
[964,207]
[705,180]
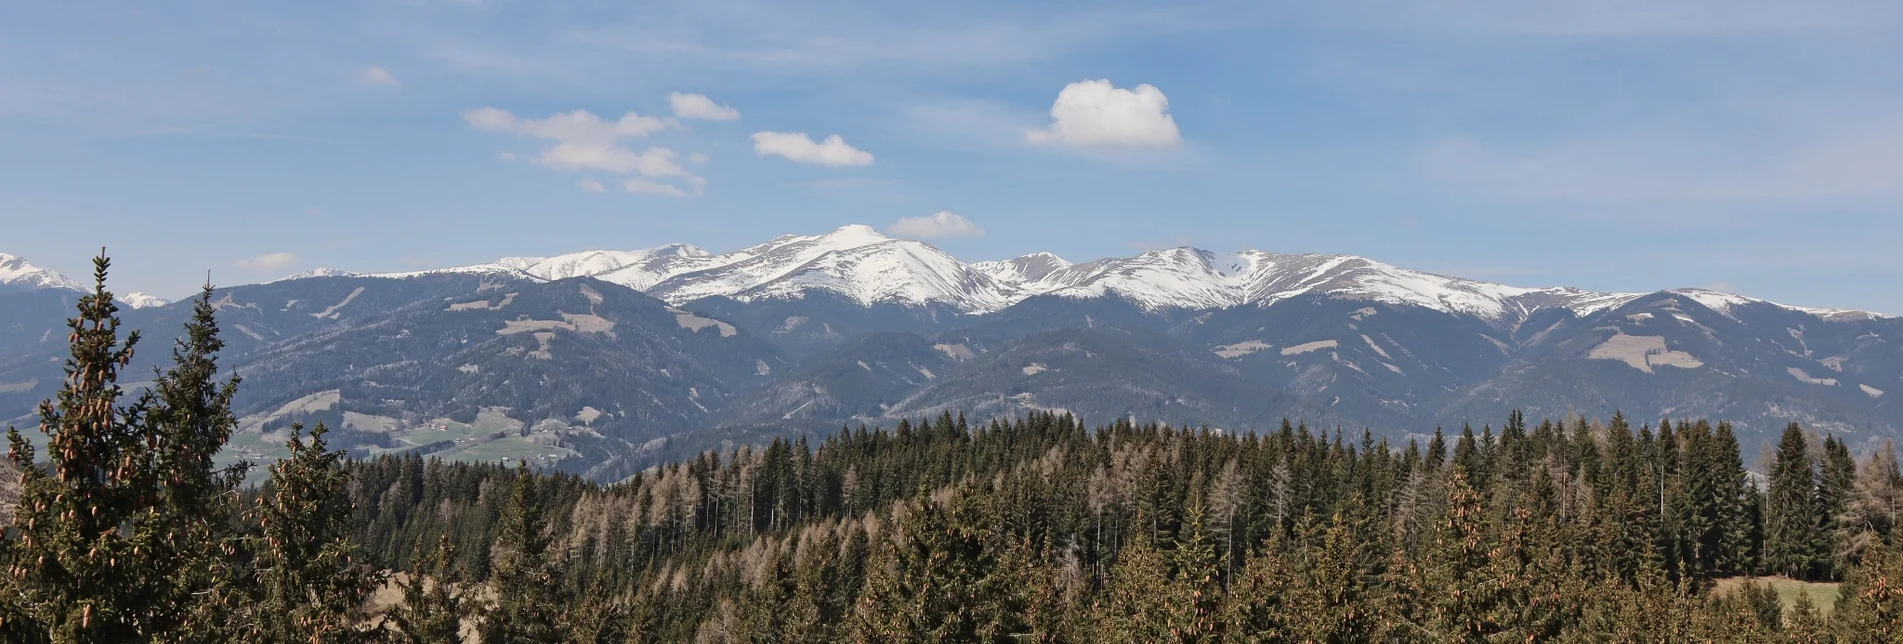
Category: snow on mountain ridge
[142,301]
[894,271]
[865,266]
[17,273]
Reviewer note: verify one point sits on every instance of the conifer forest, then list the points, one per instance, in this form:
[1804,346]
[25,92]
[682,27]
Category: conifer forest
[1032,528]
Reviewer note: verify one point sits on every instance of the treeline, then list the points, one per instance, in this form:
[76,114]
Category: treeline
[1041,528]
[1037,529]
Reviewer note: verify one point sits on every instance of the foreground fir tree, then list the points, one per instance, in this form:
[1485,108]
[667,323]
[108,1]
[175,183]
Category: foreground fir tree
[199,552]
[1792,514]
[529,601]
[85,529]
[435,600]
[311,583]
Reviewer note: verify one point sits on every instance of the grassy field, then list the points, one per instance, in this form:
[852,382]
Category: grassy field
[1824,595]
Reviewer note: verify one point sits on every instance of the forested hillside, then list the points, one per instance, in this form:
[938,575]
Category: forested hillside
[1042,528]
[1038,528]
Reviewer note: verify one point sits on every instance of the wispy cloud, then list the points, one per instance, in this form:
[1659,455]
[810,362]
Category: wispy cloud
[944,224]
[585,142]
[267,262]
[802,149]
[374,76]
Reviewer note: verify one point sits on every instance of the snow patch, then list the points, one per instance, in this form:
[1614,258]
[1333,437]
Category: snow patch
[1377,348]
[1033,369]
[248,332]
[1872,391]
[330,312]
[1804,376]
[1310,346]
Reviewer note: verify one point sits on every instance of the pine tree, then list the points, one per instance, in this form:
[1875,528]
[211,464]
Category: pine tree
[1791,512]
[525,581]
[311,582]
[86,523]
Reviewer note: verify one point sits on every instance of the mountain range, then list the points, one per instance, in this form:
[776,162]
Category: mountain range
[602,361]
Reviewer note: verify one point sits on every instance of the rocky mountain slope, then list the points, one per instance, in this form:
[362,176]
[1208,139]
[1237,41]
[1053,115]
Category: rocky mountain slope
[602,360]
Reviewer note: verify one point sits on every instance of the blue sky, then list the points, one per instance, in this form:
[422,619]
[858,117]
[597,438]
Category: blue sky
[1619,145]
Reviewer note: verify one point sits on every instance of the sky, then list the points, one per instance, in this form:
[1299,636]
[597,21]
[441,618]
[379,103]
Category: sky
[1620,145]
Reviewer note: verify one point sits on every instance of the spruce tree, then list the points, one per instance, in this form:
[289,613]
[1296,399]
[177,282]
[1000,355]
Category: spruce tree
[311,583]
[435,601]
[85,524]
[525,582]
[1836,486]
[199,509]
[1791,511]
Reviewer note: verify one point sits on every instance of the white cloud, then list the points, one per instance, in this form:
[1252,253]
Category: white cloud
[699,107]
[697,158]
[799,148]
[1096,114]
[584,142]
[944,224]
[375,76]
[268,262]
[652,162]
[579,126]
[642,186]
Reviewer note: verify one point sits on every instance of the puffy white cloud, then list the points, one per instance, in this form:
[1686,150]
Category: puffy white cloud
[642,186]
[699,107]
[591,185]
[579,126]
[944,224]
[268,262]
[799,148]
[1094,113]
[375,76]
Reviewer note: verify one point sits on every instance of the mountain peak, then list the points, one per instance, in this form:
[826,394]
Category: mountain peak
[855,234]
[143,301]
[18,274]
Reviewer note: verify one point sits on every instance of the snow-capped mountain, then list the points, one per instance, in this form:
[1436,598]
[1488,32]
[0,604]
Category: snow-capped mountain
[863,266]
[321,271]
[142,301]
[809,332]
[18,275]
